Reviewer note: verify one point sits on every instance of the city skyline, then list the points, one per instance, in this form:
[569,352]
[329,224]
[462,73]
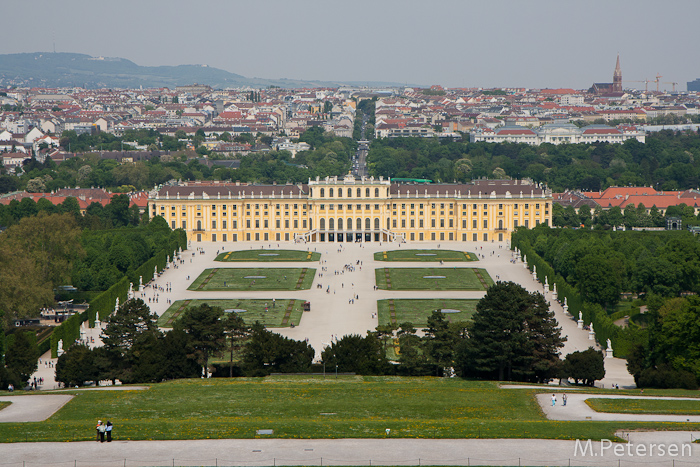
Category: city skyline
[539,44]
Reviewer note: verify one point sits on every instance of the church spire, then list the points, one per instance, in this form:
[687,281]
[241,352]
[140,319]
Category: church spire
[617,76]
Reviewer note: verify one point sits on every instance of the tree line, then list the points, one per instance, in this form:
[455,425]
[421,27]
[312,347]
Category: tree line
[632,216]
[661,268]
[48,246]
[667,161]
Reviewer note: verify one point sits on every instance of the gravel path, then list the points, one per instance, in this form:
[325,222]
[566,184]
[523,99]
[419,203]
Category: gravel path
[32,408]
[327,452]
[577,409]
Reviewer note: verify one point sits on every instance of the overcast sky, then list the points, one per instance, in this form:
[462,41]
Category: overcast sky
[454,43]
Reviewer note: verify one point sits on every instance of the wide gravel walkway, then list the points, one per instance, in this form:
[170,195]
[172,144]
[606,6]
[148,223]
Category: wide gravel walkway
[577,409]
[32,408]
[323,452]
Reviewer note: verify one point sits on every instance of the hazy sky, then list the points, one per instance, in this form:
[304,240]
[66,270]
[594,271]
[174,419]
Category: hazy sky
[455,43]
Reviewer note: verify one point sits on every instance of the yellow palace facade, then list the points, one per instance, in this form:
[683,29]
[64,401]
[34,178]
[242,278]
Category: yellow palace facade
[348,209]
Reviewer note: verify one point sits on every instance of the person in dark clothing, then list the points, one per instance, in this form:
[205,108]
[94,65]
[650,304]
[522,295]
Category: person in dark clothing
[108,430]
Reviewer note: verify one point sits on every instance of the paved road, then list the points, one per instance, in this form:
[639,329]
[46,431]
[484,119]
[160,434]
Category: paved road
[260,452]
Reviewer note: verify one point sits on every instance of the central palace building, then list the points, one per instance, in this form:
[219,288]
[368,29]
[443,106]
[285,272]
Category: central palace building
[348,209]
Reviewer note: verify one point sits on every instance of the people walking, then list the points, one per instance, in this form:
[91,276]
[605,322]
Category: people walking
[554,400]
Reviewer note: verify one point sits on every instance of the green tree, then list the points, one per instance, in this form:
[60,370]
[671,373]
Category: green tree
[363,355]
[413,358]
[587,366]
[118,210]
[441,339]
[267,352]
[132,319]
[205,331]
[76,366]
[512,336]
[236,333]
[599,278]
[22,354]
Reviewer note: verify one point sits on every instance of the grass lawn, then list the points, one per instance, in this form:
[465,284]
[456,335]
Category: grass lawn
[4,404]
[425,255]
[313,407]
[269,255]
[244,279]
[255,311]
[645,406]
[417,311]
[447,278]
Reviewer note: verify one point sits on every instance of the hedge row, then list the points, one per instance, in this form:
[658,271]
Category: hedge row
[103,305]
[621,339]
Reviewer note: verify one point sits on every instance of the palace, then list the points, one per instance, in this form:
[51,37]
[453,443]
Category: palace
[353,210]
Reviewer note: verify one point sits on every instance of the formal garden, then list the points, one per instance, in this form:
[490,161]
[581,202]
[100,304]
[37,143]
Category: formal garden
[268,255]
[272,314]
[425,255]
[252,279]
[417,311]
[432,278]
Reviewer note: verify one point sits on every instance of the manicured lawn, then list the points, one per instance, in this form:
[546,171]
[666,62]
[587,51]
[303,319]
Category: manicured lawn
[313,407]
[432,278]
[425,255]
[417,311]
[269,255]
[645,406]
[4,404]
[255,311]
[247,279]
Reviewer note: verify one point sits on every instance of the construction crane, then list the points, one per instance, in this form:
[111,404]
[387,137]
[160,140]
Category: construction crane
[645,81]
[657,81]
[671,83]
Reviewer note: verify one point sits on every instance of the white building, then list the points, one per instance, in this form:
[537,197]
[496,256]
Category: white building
[558,133]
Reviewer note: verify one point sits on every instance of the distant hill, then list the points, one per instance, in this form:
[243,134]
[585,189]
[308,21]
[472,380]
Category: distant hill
[48,69]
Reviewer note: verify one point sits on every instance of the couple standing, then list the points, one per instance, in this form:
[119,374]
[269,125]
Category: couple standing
[102,429]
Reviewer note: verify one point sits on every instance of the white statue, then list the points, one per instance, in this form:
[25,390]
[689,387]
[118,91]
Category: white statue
[140,283]
[546,281]
[565,303]
[609,344]
[59,351]
[155,272]
[116,305]
[591,326]
[580,316]
[131,290]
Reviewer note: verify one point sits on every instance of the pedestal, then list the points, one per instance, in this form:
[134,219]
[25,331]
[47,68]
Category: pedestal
[555,294]
[591,335]
[580,324]
[608,353]
[566,311]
